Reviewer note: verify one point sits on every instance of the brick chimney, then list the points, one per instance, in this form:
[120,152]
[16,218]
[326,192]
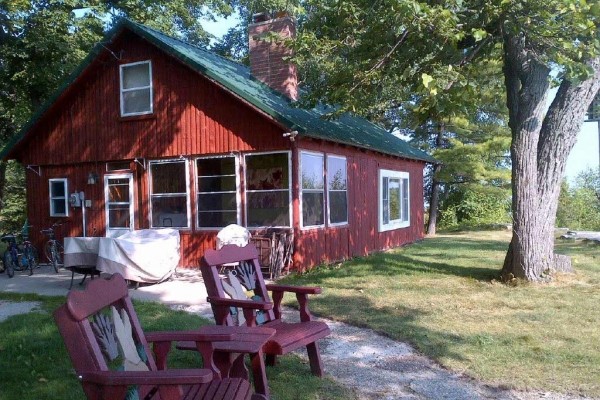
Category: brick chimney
[266,57]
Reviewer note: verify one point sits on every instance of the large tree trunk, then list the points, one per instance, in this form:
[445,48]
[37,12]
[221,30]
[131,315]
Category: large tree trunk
[434,198]
[541,143]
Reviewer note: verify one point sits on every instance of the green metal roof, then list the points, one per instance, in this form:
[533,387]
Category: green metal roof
[347,129]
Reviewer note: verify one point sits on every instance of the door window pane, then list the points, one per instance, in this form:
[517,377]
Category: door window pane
[118,202]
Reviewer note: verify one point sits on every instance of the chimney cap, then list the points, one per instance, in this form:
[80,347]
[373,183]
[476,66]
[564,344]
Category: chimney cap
[261,17]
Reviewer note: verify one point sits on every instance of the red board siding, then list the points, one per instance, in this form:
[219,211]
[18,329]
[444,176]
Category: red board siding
[361,236]
[192,116]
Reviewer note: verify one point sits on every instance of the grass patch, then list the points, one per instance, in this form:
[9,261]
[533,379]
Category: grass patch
[441,296]
[35,364]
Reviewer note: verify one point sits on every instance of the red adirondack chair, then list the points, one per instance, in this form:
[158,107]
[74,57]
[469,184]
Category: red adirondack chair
[95,344]
[247,273]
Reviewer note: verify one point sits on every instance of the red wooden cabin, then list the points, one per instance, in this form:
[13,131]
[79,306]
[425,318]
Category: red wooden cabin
[158,133]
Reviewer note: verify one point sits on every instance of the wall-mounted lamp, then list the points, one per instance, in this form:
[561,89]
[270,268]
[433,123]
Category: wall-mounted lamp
[92,178]
[292,135]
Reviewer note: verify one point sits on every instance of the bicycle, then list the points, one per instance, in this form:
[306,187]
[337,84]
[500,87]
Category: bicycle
[19,257]
[53,250]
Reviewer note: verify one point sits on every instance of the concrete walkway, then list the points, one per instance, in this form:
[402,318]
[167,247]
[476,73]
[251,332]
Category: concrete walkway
[374,366]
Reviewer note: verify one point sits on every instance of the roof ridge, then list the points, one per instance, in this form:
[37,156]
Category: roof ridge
[204,50]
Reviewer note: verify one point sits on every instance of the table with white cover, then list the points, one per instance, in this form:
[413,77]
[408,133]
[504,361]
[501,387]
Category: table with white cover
[147,255]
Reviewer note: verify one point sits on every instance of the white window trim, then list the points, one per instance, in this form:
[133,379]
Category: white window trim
[66,198]
[395,224]
[245,170]
[131,202]
[318,154]
[187,192]
[238,196]
[121,90]
[335,224]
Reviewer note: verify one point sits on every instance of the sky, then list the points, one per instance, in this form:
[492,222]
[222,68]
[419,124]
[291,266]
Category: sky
[586,153]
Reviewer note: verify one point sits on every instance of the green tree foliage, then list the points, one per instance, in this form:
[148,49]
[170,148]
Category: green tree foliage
[370,57]
[475,206]
[579,204]
[12,215]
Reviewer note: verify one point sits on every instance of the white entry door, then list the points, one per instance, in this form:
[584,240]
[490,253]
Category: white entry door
[118,196]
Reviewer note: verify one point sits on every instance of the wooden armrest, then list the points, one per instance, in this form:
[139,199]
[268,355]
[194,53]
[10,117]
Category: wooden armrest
[255,305]
[294,289]
[166,377]
[204,334]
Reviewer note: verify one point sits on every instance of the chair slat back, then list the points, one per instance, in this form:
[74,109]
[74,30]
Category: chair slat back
[243,258]
[75,321]
[97,295]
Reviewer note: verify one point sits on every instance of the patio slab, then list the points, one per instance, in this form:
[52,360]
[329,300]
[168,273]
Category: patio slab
[184,287]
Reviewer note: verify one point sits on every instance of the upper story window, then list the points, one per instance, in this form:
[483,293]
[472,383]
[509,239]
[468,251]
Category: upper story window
[268,190]
[218,200]
[58,197]
[312,189]
[169,194]
[136,88]
[337,190]
[394,208]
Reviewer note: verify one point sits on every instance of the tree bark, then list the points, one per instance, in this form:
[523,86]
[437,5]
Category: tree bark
[434,198]
[541,142]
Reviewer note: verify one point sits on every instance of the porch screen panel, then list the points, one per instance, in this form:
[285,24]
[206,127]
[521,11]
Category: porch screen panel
[268,188]
[217,192]
[313,190]
[337,189]
[119,215]
[169,196]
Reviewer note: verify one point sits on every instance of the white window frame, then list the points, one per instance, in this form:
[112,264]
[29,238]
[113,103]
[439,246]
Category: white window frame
[317,154]
[345,223]
[65,183]
[187,191]
[238,196]
[129,177]
[404,220]
[246,191]
[122,90]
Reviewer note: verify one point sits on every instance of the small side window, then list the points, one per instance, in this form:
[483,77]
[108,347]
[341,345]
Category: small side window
[58,197]
[394,200]
[136,88]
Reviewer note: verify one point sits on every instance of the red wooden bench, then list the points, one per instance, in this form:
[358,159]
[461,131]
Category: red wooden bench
[95,344]
[246,270]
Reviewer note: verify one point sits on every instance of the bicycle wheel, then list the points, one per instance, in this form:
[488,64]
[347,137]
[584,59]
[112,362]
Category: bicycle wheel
[30,258]
[9,264]
[51,250]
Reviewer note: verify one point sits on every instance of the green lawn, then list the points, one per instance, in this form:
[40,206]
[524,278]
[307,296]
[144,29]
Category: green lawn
[441,296]
[34,364]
